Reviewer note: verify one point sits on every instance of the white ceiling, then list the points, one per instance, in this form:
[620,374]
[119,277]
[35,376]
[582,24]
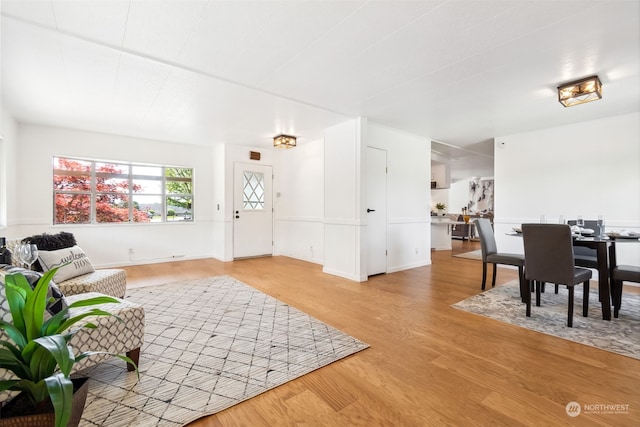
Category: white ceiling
[240,72]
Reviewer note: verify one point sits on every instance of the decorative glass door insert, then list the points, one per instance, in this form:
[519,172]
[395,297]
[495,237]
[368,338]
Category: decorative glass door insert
[252,190]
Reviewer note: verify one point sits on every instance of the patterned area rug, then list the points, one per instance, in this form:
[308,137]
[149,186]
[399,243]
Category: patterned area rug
[621,335]
[209,344]
[477,255]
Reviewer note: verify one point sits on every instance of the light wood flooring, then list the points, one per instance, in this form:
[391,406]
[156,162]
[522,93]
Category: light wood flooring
[428,364]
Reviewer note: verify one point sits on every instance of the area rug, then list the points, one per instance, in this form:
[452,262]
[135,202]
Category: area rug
[209,344]
[477,255]
[620,335]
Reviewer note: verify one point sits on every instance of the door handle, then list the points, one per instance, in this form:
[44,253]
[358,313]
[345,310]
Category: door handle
[237,216]
[370,210]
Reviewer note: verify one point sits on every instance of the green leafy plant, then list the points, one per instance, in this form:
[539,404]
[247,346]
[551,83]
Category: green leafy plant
[441,206]
[39,354]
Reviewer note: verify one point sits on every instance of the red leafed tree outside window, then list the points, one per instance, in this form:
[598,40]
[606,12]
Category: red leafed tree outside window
[75,183]
[91,191]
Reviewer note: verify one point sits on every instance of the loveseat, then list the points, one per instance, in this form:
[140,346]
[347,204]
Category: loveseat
[122,334]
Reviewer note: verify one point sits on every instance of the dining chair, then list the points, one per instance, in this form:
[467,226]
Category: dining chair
[548,257]
[619,274]
[586,257]
[490,254]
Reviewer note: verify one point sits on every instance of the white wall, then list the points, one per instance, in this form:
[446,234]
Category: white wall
[459,195]
[8,146]
[107,245]
[299,202]
[408,196]
[210,235]
[222,222]
[342,200]
[590,168]
[441,174]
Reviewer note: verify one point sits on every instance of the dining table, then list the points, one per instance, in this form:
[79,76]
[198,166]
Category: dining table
[605,247]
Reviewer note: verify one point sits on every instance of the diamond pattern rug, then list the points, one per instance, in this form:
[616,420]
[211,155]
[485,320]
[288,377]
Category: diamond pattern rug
[620,335]
[209,344]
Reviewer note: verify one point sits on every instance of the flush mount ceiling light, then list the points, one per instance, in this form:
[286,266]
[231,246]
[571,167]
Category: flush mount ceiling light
[580,91]
[284,141]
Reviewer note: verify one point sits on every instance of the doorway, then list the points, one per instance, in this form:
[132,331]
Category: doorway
[376,204]
[252,210]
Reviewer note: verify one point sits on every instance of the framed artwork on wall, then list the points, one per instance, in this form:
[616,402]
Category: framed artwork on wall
[481,196]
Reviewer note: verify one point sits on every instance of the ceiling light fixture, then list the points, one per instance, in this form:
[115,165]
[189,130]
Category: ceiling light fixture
[580,91]
[284,141]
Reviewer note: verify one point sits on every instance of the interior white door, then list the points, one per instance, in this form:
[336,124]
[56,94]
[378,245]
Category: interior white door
[252,210]
[376,182]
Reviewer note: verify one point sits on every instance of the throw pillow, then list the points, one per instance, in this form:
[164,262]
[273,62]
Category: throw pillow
[50,242]
[56,301]
[71,262]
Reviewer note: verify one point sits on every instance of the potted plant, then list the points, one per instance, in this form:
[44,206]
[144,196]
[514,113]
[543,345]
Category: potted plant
[440,207]
[39,354]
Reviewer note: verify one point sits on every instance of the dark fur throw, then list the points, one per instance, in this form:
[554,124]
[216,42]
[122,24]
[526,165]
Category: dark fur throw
[50,242]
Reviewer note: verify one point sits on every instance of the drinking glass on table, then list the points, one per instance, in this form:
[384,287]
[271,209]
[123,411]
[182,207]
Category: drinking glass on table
[28,253]
[17,256]
[601,225]
[580,224]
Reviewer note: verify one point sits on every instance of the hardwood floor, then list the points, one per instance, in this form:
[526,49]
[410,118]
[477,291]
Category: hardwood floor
[428,364]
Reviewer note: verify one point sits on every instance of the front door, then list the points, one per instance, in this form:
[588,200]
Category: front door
[252,211]
[376,204]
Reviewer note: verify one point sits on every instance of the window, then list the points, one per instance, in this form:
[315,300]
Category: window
[97,192]
[252,190]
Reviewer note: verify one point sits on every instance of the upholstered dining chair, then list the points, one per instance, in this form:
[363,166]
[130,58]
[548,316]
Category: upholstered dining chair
[548,257]
[619,274]
[586,257]
[490,254]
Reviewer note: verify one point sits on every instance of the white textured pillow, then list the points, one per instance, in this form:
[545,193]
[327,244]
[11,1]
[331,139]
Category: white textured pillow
[72,262]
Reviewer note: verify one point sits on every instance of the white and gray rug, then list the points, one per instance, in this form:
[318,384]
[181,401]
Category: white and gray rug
[209,344]
[621,335]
